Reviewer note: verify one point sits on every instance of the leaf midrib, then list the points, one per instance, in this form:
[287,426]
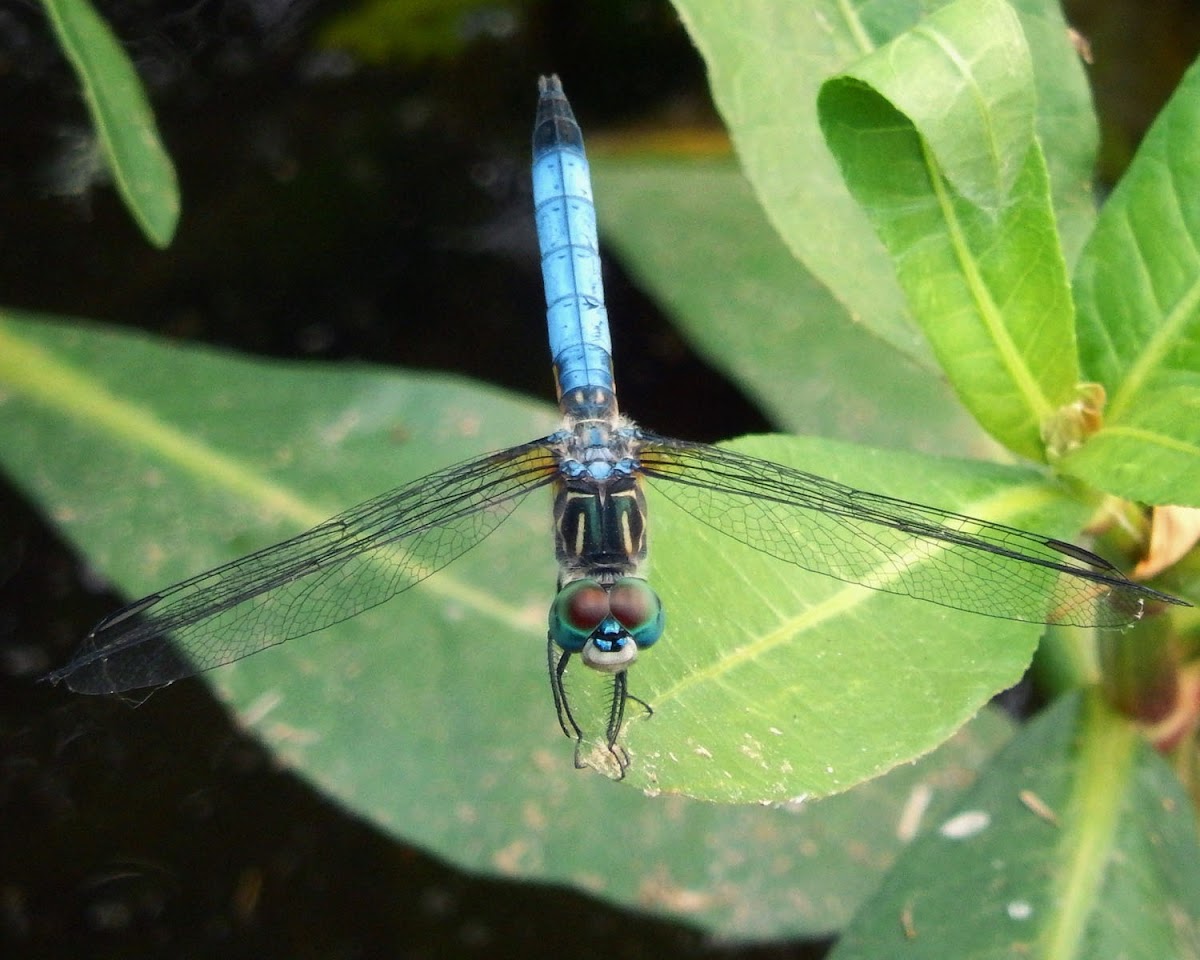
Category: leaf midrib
[73,393]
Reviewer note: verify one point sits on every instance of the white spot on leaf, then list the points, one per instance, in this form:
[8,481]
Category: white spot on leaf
[966,824]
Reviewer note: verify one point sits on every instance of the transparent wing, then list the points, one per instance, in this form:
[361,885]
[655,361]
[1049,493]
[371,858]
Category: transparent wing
[892,545]
[338,569]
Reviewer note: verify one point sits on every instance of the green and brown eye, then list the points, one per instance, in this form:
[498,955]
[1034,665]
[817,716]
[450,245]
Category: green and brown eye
[580,607]
[637,608]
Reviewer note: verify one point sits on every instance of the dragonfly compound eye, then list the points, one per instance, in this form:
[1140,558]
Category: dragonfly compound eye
[579,608]
[637,608]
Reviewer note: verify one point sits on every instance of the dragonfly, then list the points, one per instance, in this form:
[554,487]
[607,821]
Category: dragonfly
[595,467]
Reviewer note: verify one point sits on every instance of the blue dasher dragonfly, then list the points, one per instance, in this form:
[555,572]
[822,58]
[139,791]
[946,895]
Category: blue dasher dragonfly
[595,466]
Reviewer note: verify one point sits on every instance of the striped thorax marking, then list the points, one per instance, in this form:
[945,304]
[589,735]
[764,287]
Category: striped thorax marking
[599,526]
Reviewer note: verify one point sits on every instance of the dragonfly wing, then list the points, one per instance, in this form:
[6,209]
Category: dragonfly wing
[338,569]
[889,544]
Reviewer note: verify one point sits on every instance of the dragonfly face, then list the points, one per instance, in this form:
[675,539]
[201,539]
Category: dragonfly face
[606,623]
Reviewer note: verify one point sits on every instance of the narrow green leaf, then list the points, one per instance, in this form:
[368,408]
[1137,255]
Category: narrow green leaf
[429,716]
[122,116]
[694,236]
[1138,290]
[1077,841]
[968,222]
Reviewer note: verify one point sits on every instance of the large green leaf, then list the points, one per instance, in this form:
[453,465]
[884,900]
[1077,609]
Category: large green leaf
[122,115]
[935,135]
[1078,841]
[773,683]
[766,62]
[431,716]
[693,234]
[1138,290]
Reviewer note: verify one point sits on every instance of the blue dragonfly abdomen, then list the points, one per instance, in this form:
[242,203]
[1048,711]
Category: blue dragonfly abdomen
[577,320]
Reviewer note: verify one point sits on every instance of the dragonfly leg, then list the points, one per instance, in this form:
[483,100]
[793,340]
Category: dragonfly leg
[616,719]
[641,703]
[566,720]
[616,712]
[557,661]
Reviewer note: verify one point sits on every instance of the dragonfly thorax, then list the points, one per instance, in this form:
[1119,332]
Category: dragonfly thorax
[599,506]
[599,443]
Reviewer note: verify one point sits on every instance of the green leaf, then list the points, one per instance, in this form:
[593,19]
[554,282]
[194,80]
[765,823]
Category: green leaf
[770,682]
[430,716]
[1066,121]
[1147,452]
[766,62]
[1138,290]
[934,134]
[964,78]
[122,116]
[694,236]
[1077,841]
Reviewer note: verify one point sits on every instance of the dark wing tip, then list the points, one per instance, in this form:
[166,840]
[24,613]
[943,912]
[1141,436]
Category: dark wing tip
[1112,573]
[1076,552]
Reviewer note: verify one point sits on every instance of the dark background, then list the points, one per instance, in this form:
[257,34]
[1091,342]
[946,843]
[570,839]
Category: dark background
[328,203]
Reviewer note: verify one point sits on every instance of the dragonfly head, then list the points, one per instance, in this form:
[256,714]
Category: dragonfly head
[606,624]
